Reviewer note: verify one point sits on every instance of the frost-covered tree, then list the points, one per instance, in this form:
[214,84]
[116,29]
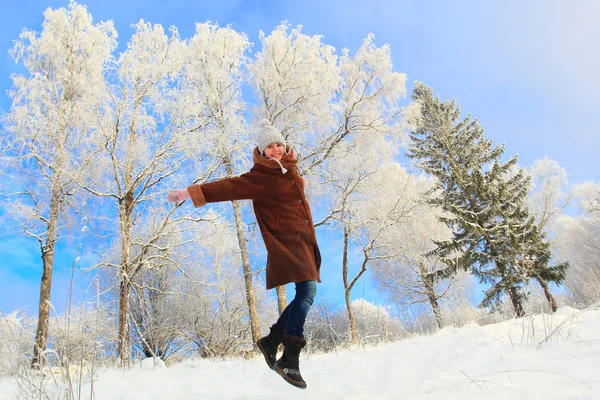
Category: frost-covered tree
[295,77]
[577,240]
[154,311]
[146,134]
[413,274]
[374,323]
[216,71]
[356,177]
[49,125]
[366,103]
[328,326]
[493,231]
[549,193]
[83,335]
[364,124]
[17,332]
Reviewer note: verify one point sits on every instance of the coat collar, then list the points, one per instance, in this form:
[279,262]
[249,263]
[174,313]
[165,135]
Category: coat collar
[288,160]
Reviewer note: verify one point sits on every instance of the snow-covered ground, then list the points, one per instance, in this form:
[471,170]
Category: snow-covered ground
[538,357]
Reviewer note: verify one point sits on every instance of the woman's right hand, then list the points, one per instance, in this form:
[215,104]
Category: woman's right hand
[178,195]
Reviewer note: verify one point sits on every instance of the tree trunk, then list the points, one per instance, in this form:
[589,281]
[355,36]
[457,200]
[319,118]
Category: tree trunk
[281,298]
[249,284]
[41,336]
[436,309]
[516,302]
[250,297]
[125,214]
[547,293]
[433,301]
[353,333]
[126,206]
[123,343]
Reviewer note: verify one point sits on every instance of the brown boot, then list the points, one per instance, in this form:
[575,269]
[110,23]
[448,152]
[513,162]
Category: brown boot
[268,345]
[288,366]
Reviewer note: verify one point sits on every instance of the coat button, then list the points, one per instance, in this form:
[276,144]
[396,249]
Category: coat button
[293,182]
[306,221]
[299,201]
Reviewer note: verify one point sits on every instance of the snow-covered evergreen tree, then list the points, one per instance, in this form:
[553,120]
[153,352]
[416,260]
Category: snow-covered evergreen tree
[494,234]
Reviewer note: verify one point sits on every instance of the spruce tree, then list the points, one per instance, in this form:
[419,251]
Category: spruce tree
[494,234]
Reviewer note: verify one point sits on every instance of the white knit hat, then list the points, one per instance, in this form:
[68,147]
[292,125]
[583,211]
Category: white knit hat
[268,134]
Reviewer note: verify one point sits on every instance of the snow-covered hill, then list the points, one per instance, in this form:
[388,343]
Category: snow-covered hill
[537,357]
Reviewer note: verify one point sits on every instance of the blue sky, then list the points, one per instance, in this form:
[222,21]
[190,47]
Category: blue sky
[526,70]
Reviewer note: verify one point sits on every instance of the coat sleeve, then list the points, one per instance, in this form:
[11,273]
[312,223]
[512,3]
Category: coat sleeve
[243,187]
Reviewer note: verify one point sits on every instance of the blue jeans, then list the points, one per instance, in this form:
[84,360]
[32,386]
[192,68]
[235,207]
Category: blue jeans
[291,321]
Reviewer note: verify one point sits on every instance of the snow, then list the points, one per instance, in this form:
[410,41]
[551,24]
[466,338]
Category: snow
[535,357]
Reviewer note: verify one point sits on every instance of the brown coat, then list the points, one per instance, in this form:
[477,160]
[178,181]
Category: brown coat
[282,213]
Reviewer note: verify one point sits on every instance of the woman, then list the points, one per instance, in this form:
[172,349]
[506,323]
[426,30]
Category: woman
[287,229]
